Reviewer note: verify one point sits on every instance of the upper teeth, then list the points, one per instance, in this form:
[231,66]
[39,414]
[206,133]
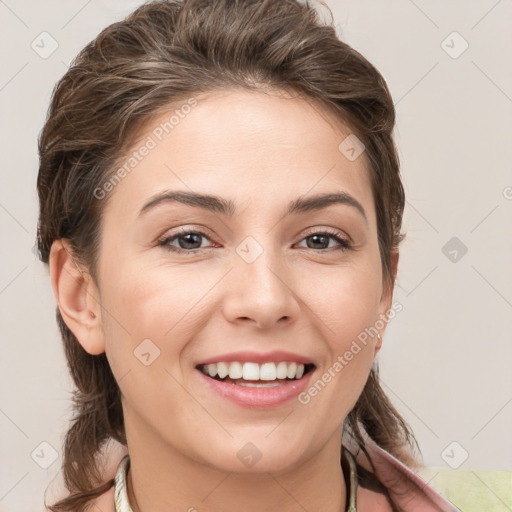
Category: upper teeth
[254,371]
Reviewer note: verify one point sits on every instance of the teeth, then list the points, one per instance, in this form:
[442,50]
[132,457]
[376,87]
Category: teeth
[254,371]
[282,370]
[235,370]
[292,370]
[251,371]
[260,385]
[222,370]
[268,371]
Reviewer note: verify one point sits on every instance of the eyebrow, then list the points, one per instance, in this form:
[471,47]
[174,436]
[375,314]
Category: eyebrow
[227,207]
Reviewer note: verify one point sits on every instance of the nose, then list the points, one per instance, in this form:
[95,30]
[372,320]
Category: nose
[261,292]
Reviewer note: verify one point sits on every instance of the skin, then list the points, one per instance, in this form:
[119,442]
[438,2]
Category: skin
[260,150]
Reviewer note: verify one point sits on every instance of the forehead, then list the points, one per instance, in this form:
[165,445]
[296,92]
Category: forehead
[269,146]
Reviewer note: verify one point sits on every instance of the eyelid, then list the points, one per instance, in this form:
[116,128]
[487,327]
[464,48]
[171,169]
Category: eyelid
[327,230]
[184,228]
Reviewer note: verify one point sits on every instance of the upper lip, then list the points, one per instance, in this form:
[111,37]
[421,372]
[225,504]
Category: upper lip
[274,356]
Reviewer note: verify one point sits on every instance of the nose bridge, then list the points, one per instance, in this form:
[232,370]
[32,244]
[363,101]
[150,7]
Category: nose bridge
[259,264]
[260,287]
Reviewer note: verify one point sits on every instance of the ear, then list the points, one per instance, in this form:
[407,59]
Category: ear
[77,298]
[387,298]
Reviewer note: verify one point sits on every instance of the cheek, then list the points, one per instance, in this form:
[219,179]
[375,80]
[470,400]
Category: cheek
[148,325]
[347,301]
[154,304]
[348,309]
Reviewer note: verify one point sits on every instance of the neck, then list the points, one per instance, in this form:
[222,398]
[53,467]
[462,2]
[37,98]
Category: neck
[154,484]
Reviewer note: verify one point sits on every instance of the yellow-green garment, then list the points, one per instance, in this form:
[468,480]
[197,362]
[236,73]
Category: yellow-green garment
[472,491]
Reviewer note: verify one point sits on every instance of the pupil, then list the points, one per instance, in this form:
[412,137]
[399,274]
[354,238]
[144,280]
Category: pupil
[187,243]
[316,237]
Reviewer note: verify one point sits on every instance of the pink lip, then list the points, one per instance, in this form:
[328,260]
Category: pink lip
[258,398]
[275,356]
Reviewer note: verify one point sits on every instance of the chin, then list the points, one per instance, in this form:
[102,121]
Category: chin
[262,458]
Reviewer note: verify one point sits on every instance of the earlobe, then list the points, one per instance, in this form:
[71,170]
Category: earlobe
[77,298]
[378,345]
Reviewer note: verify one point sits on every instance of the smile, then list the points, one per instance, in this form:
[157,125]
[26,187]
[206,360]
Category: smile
[257,385]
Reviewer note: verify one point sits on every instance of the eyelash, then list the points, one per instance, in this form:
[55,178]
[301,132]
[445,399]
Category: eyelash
[345,245]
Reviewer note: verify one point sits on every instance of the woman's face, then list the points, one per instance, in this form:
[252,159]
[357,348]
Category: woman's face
[253,283]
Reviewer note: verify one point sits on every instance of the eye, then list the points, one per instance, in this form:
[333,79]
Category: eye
[321,239]
[188,241]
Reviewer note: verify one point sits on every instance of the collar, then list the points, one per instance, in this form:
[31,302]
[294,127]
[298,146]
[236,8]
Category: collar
[120,492]
[348,462]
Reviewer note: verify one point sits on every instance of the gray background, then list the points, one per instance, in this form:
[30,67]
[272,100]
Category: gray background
[446,357]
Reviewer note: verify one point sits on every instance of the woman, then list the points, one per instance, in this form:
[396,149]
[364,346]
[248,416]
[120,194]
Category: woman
[220,209]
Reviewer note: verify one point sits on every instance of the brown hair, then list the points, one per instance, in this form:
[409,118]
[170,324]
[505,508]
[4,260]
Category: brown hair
[163,52]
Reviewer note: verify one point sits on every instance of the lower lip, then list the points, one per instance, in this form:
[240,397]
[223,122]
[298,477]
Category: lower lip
[262,398]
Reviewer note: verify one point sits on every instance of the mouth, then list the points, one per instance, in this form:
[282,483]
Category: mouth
[255,375]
